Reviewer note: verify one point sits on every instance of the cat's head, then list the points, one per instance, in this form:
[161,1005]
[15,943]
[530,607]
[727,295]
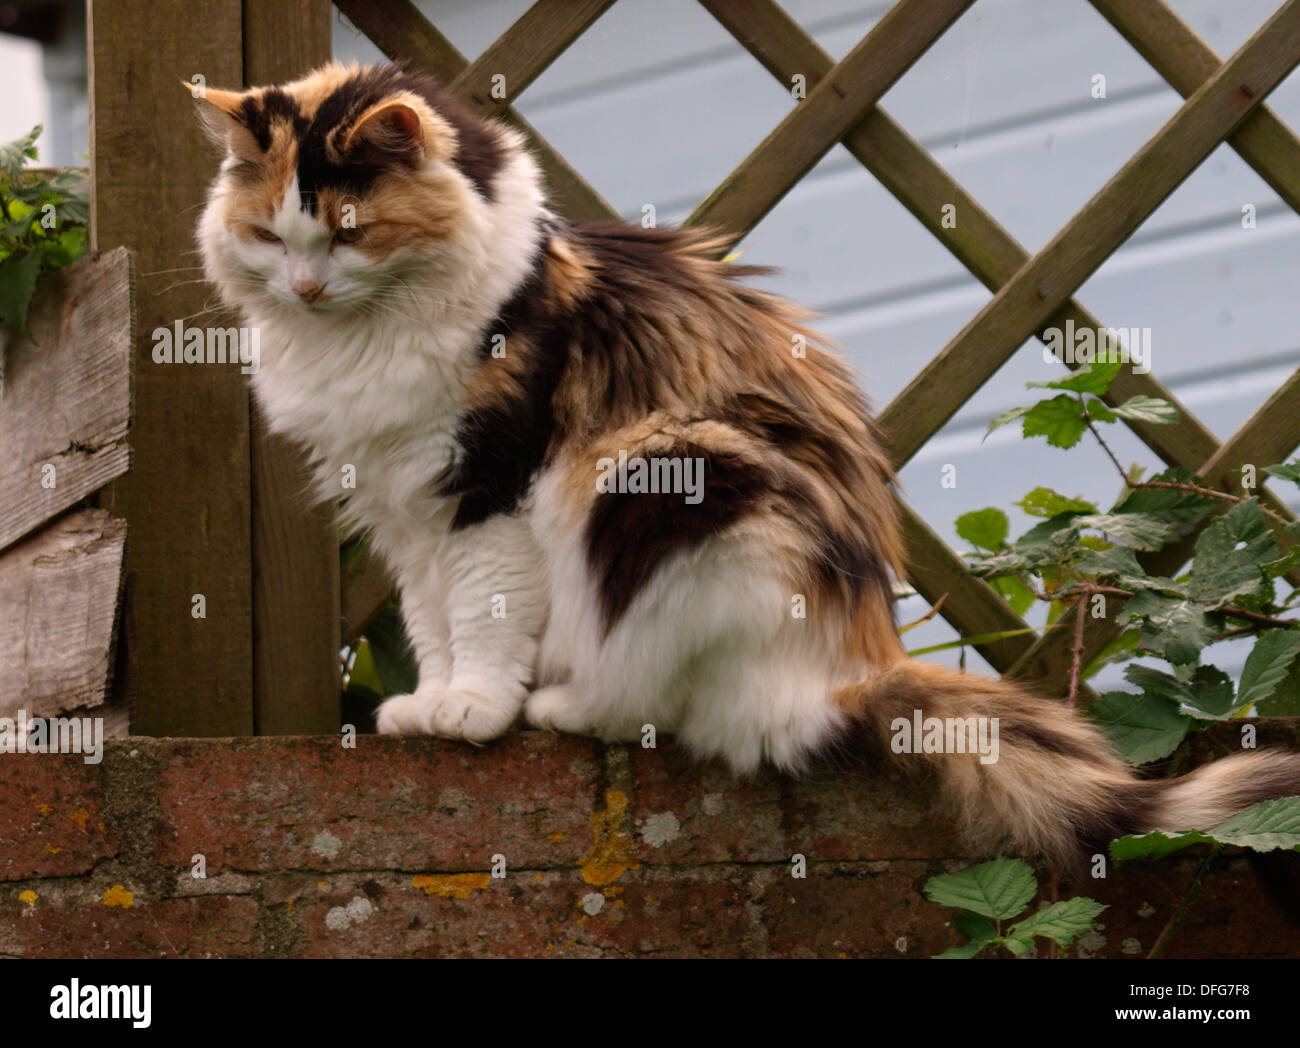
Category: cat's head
[341,188]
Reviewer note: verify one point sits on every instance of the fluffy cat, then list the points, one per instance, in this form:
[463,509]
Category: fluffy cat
[506,383]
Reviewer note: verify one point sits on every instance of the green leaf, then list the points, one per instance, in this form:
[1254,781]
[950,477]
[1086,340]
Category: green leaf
[1015,592]
[1142,728]
[1095,378]
[17,282]
[1044,502]
[1209,692]
[1151,410]
[1267,665]
[1062,922]
[999,889]
[1060,420]
[1117,562]
[362,678]
[1229,553]
[1145,531]
[1286,471]
[1120,649]
[1262,827]
[1182,507]
[1008,417]
[964,952]
[15,154]
[984,528]
[1173,627]
[1276,568]
[1049,542]
[1285,700]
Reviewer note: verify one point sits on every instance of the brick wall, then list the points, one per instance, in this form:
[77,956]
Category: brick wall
[387,849]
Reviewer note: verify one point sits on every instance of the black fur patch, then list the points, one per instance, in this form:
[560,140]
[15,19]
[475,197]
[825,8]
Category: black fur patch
[1027,731]
[629,535]
[258,112]
[478,153]
[504,446]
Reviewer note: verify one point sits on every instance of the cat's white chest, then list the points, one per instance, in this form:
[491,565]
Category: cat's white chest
[376,405]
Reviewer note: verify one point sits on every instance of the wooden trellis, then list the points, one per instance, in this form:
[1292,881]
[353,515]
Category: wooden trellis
[1031,294]
[280,571]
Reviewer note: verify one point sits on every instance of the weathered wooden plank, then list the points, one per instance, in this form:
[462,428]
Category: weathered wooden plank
[401,32]
[295,546]
[187,495]
[818,122]
[59,594]
[1024,303]
[521,54]
[1186,61]
[65,407]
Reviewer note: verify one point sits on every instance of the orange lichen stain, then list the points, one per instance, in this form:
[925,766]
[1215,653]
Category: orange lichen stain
[614,891]
[41,807]
[451,885]
[558,836]
[320,884]
[619,904]
[538,876]
[288,906]
[29,897]
[52,849]
[613,851]
[80,817]
[119,896]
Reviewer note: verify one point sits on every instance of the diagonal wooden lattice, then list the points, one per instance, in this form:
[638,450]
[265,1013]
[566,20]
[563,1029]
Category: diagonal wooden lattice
[1223,102]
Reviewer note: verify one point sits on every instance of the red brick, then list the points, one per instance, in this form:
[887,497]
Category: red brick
[205,926]
[51,816]
[401,804]
[528,915]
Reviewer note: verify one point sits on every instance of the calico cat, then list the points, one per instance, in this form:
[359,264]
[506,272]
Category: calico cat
[525,402]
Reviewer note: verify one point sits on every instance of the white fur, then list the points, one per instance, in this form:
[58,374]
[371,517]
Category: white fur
[374,380]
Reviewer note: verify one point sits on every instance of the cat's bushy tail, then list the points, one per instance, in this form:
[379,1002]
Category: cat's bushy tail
[1054,788]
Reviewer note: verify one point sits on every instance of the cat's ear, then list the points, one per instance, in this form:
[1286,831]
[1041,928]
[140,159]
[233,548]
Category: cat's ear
[224,115]
[390,132]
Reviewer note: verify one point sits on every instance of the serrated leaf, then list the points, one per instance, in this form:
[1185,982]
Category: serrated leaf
[1285,700]
[1174,627]
[1060,420]
[1049,542]
[1185,508]
[1262,827]
[1229,553]
[1208,693]
[1276,568]
[1095,378]
[1062,922]
[964,952]
[1117,562]
[984,528]
[14,155]
[1144,531]
[1285,471]
[1044,502]
[1151,410]
[998,890]
[1267,665]
[1008,417]
[1142,728]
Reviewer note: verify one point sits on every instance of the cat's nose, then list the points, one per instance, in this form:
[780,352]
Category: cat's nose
[308,290]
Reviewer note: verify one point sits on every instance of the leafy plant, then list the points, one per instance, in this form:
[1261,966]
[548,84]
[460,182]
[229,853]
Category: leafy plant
[995,892]
[1105,564]
[42,226]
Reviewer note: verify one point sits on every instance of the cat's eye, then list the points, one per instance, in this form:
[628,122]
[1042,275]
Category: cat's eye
[265,236]
[348,235]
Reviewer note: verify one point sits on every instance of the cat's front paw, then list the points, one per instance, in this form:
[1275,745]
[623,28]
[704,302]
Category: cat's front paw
[450,712]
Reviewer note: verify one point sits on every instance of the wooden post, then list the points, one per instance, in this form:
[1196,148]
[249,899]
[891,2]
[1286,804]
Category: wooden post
[295,548]
[186,498]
